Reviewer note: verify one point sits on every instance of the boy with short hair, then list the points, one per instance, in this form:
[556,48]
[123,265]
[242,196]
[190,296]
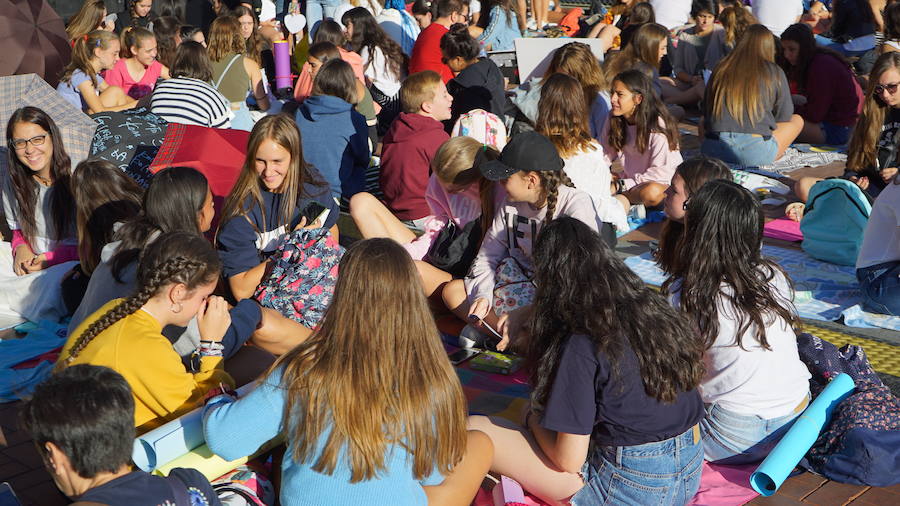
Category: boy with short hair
[426,53]
[82,423]
[411,143]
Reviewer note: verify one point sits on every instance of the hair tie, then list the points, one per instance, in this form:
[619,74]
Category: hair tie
[85,38]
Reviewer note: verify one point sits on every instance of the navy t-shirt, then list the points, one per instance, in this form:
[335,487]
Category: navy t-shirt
[244,242]
[616,411]
[143,489]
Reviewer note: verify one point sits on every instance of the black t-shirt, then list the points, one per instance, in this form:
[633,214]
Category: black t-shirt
[143,489]
[616,411]
[887,141]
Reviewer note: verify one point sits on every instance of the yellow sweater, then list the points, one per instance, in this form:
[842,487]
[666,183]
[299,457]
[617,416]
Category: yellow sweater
[135,348]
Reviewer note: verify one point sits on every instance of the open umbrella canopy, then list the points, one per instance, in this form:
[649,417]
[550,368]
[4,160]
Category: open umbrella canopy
[33,40]
[77,128]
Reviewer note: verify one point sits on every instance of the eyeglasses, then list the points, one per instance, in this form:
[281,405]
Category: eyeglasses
[37,140]
[891,88]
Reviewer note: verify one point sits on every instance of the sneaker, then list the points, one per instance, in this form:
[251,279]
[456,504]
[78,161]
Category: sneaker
[531,24]
[470,337]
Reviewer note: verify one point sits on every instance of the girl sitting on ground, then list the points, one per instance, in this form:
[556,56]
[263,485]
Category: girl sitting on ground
[530,170]
[878,264]
[265,204]
[688,55]
[176,277]
[235,75]
[748,113]
[741,305]
[328,31]
[81,83]
[641,132]
[562,118]
[91,16]
[477,82]
[499,29]
[832,97]
[39,210]
[138,69]
[614,407]
[419,450]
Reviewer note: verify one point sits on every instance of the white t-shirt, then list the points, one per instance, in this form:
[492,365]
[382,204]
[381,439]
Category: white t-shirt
[590,173]
[379,73]
[777,15]
[44,227]
[753,380]
[672,13]
[881,241]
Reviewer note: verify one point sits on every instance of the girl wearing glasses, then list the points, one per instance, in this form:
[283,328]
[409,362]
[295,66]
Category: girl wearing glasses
[40,212]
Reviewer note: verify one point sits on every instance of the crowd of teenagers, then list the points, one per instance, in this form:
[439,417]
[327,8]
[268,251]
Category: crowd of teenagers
[500,204]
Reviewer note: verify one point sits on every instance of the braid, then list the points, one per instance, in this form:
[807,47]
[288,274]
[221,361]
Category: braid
[162,274]
[551,181]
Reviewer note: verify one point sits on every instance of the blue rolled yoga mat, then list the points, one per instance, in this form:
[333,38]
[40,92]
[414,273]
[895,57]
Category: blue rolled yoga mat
[164,444]
[772,472]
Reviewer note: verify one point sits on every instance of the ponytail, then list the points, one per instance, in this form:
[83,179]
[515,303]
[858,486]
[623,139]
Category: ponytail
[132,37]
[82,53]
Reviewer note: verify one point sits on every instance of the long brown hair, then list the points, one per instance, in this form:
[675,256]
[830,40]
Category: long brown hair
[224,38]
[178,257]
[735,21]
[736,82]
[26,189]
[563,115]
[647,115]
[104,195]
[282,130]
[254,45]
[86,20]
[83,51]
[861,153]
[375,373]
[457,162]
[643,48]
[577,60]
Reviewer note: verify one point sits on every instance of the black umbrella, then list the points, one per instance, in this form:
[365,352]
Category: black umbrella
[33,40]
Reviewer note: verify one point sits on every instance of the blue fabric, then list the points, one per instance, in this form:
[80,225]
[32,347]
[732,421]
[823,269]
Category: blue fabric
[502,30]
[880,287]
[316,11]
[746,150]
[836,135]
[16,384]
[665,472]
[336,142]
[837,46]
[237,428]
[734,439]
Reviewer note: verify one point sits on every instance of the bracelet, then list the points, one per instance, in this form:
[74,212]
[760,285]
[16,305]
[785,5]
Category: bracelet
[211,349]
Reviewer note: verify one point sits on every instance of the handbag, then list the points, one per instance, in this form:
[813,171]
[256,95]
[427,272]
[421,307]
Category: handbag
[455,247]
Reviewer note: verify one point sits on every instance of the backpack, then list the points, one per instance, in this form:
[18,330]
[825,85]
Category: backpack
[244,486]
[834,221]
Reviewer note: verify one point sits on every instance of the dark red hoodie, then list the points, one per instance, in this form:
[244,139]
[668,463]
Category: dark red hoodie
[406,153]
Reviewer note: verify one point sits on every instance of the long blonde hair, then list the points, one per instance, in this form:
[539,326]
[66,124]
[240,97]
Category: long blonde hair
[457,162]
[735,20]
[861,153]
[375,373]
[86,20]
[282,130]
[738,81]
[577,60]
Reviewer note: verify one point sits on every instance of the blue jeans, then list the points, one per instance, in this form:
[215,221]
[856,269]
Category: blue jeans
[317,10]
[835,135]
[880,286]
[746,150]
[735,439]
[664,472]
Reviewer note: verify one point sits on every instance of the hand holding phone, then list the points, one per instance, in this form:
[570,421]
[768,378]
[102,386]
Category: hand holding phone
[493,341]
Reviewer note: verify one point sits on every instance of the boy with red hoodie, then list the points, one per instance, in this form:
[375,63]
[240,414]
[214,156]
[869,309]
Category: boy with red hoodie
[426,53]
[410,144]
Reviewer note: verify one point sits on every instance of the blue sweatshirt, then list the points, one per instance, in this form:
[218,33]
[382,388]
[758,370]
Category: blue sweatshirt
[336,142]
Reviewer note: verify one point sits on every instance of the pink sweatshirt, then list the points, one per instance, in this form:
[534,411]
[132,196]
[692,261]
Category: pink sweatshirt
[657,164]
[460,207]
[304,85]
[512,233]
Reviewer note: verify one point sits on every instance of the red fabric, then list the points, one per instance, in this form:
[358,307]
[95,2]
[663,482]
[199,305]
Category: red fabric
[49,356]
[426,54]
[217,153]
[832,93]
[408,148]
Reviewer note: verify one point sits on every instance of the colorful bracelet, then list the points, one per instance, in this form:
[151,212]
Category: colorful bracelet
[211,349]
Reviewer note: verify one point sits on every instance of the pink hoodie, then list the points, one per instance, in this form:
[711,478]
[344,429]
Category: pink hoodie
[303,88]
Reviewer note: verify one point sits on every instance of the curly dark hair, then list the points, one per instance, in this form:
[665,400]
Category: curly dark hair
[722,244]
[584,288]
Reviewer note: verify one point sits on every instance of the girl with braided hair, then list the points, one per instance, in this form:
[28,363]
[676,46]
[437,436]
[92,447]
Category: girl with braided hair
[176,277]
[498,287]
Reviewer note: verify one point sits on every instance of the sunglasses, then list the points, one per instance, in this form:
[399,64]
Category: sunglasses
[37,140]
[891,88]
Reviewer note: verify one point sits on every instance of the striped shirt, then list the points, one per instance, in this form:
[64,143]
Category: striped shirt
[190,102]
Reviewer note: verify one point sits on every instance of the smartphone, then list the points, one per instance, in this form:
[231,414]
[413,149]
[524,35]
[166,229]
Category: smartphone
[7,496]
[461,355]
[493,340]
[315,212]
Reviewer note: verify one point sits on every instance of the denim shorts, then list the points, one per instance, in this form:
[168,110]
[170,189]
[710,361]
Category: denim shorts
[735,439]
[746,150]
[835,135]
[880,286]
[664,472]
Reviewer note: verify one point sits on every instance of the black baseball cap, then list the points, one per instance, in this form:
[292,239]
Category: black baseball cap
[527,151]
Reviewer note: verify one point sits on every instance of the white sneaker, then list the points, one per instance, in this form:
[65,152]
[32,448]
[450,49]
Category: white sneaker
[531,24]
[470,337]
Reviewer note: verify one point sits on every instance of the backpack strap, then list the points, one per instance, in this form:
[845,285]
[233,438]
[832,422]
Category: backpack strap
[179,490]
[225,72]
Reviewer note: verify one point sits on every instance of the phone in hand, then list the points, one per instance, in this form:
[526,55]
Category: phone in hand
[493,340]
[7,496]
[461,355]
[315,211]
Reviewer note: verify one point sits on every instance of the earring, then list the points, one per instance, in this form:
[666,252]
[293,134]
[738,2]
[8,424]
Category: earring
[177,309]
